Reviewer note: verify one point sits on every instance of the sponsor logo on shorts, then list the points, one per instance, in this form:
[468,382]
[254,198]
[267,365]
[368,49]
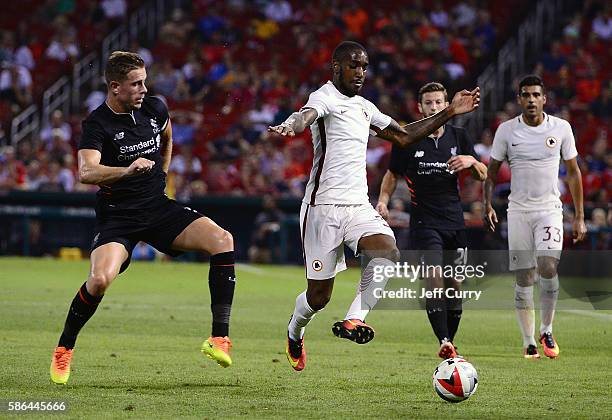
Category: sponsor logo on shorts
[551,142]
[317,265]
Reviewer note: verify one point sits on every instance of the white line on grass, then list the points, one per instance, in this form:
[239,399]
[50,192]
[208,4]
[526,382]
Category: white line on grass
[592,314]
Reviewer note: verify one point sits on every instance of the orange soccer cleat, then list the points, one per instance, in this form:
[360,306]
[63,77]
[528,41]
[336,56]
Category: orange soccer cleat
[354,330]
[447,350]
[551,349]
[217,348]
[60,365]
[296,353]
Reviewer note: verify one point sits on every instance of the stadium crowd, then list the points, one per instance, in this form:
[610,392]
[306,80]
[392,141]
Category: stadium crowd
[229,69]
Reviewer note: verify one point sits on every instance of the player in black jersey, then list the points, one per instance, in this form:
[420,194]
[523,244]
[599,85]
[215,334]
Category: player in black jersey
[430,167]
[125,149]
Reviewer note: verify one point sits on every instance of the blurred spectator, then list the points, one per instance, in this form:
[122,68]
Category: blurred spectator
[114,9]
[262,115]
[465,13]
[63,48]
[96,97]
[554,60]
[166,79]
[265,232]
[35,177]
[186,164]
[602,24]
[438,15]
[12,170]
[24,56]
[483,148]
[15,84]
[143,52]
[278,10]
[176,30]
[56,123]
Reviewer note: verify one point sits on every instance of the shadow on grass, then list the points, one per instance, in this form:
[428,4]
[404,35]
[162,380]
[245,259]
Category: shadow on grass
[161,387]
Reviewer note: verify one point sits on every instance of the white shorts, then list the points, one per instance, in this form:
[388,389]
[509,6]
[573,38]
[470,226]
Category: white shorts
[327,227]
[533,234]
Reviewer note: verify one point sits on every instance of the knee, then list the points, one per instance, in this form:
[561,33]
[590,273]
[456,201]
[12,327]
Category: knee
[392,254]
[547,269]
[223,241]
[318,298]
[99,281]
[525,278]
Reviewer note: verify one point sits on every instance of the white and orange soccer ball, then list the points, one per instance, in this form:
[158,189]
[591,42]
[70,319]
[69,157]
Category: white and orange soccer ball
[455,380]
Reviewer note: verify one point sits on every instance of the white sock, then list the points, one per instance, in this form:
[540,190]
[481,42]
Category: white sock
[365,300]
[523,302]
[549,292]
[302,314]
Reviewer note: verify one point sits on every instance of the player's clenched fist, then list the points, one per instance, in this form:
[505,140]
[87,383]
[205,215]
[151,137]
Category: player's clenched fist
[139,166]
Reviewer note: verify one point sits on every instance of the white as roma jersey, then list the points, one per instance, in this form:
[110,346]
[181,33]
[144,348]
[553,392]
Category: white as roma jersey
[340,138]
[534,154]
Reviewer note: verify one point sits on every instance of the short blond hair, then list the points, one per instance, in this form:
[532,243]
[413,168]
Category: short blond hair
[120,63]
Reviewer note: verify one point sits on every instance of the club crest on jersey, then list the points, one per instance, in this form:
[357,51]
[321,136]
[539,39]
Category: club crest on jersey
[454,151]
[551,142]
[155,126]
[317,265]
[119,135]
[365,114]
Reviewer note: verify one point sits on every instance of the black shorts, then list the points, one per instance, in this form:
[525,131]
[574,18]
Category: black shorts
[158,226]
[440,247]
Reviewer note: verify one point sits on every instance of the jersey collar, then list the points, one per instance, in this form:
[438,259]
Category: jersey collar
[131,113]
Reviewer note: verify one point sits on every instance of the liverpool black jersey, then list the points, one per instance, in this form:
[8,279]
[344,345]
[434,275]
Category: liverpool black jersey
[434,190]
[122,138]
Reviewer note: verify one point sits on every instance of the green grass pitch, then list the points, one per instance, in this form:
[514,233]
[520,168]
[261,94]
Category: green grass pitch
[139,355]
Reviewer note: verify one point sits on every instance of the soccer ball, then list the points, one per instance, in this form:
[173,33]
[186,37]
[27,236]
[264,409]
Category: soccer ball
[455,380]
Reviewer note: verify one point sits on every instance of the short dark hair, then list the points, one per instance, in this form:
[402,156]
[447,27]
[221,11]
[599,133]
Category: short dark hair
[120,63]
[531,80]
[433,87]
[346,47]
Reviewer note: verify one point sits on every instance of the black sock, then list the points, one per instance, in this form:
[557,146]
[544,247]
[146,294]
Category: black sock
[453,315]
[221,282]
[81,309]
[436,312]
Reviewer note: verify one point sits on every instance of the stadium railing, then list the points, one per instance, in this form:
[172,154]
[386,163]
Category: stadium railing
[65,92]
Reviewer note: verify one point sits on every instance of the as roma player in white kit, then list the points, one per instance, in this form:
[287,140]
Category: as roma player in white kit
[336,209]
[533,143]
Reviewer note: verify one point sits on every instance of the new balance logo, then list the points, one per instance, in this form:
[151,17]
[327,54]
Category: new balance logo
[119,135]
[419,153]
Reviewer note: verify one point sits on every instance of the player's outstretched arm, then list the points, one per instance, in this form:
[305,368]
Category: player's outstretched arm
[296,123]
[574,182]
[166,147]
[489,186]
[463,102]
[92,172]
[387,188]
